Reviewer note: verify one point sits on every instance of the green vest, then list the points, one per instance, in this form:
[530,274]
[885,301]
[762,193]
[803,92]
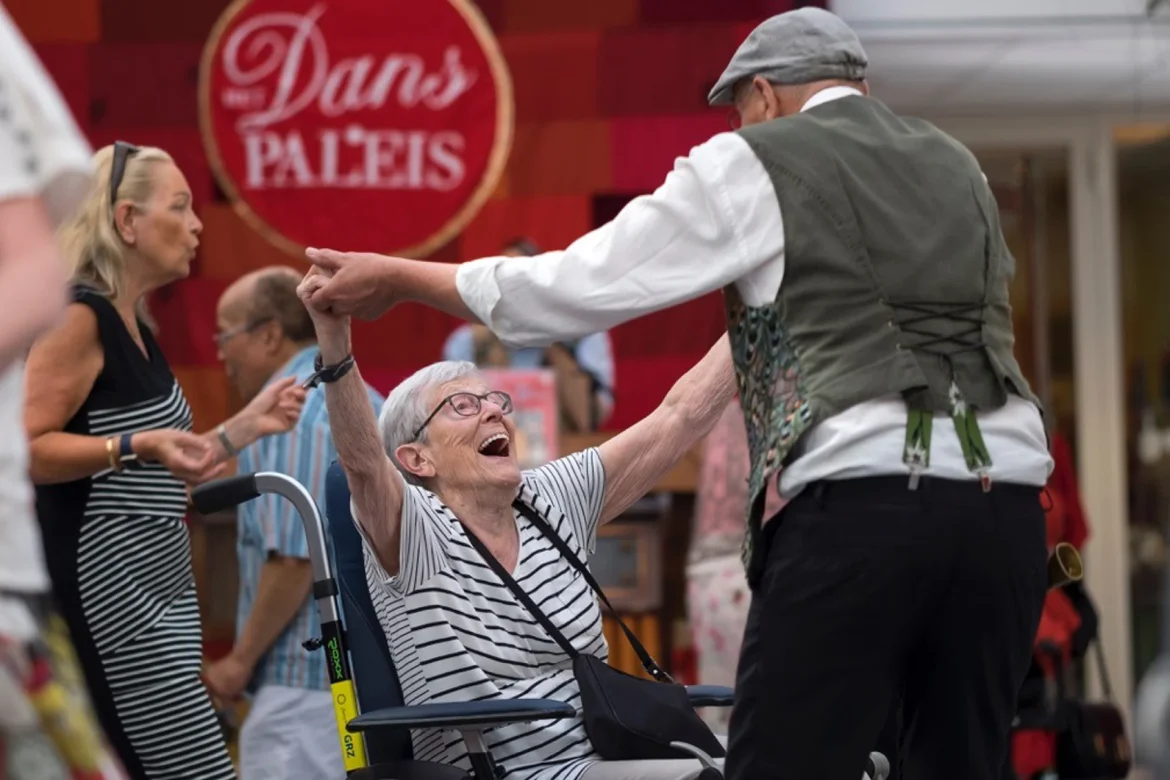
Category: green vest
[896,282]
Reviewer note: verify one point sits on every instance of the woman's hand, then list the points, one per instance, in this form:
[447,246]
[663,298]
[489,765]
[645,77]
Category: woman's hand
[227,678]
[275,409]
[332,329]
[186,455]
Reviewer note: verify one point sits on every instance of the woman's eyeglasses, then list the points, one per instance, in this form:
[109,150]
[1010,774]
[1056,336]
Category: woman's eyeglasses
[122,154]
[468,405]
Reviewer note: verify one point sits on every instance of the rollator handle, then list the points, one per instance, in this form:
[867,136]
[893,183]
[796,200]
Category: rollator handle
[220,494]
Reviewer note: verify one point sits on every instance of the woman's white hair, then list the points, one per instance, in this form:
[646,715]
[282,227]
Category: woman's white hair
[411,401]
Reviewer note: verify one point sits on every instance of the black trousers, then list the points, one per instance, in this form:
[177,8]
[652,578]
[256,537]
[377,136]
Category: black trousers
[867,591]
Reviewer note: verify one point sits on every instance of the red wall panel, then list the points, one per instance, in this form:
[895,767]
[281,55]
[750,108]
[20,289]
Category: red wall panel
[137,85]
[554,75]
[68,64]
[546,15]
[560,158]
[159,20]
[59,21]
[663,71]
[644,148]
[655,12]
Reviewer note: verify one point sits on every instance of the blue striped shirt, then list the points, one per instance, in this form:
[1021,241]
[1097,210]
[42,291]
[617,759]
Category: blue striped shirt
[269,525]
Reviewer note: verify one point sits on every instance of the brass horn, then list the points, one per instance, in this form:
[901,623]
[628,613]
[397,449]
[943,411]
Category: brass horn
[1064,566]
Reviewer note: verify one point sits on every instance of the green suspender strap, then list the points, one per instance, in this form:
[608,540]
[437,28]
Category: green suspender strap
[919,426]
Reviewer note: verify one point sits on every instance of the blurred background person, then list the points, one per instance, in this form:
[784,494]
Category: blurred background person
[47,730]
[265,335]
[584,368]
[718,596]
[111,447]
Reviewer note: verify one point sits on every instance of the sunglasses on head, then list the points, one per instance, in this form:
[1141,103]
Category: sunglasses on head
[122,154]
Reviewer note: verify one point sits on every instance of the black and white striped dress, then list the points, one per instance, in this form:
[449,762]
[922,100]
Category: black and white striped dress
[120,560]
[457,633]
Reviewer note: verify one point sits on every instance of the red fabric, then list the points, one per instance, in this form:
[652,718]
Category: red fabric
[1035,751]
[1032,752]
[1067,521]
[1058,622]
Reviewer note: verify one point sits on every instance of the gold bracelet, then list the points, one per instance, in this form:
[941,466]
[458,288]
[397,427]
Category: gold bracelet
[115,459]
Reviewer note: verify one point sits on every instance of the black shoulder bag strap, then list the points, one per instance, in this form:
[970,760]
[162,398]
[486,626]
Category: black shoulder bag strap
[1102,671]
[649,664]
[519,593]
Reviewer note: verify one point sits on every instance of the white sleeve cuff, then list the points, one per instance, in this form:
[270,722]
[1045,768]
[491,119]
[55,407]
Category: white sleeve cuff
[476,282]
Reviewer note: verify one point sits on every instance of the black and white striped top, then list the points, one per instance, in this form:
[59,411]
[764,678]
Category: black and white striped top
[146,488]
[116,542]
[457,633]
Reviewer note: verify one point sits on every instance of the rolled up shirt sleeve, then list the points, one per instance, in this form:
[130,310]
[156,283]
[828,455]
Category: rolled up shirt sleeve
[715,220]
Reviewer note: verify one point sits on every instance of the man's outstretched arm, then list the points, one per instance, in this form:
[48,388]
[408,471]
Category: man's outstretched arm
[714,221]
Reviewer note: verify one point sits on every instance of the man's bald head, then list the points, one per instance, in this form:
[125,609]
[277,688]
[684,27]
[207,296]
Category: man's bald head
[270,295]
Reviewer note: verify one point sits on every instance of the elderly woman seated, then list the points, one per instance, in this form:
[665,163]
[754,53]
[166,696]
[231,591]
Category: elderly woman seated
[440,462]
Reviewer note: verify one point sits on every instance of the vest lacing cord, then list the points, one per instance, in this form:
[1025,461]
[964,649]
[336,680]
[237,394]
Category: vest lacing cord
[919,423]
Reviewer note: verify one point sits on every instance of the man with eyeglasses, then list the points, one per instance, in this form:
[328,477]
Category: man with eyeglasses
[866,281]
[264,335]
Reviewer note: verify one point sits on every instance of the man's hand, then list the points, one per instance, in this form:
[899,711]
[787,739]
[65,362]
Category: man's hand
[227,678]
[355,283]
[275,409]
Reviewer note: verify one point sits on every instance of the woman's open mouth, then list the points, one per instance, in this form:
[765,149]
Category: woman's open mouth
[496,446]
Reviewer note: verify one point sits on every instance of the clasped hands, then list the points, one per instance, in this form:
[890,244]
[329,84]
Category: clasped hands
[345,284]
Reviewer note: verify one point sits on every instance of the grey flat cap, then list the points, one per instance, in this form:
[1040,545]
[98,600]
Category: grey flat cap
[798,47]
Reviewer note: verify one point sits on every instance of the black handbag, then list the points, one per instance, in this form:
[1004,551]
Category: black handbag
[1092,744]
[627,718]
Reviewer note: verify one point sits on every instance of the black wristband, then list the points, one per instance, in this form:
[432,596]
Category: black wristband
[323,374]
[125,454]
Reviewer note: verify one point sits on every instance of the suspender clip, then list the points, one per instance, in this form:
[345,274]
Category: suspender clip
[985,481]
[915,475]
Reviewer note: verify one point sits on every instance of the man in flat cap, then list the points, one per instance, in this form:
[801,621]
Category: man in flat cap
[866,281]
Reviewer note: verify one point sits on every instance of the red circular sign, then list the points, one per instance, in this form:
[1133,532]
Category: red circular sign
[378,125]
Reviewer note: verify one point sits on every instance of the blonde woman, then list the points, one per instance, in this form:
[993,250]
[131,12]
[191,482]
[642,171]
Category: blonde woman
[111,447]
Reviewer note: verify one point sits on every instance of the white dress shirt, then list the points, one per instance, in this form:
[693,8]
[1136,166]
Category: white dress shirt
[716,221]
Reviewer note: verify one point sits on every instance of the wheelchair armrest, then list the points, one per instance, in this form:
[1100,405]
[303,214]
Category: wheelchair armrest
[463,714]
[710,695]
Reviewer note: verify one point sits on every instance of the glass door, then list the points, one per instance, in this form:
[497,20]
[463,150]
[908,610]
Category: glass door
[1031,188]
[1143,166]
